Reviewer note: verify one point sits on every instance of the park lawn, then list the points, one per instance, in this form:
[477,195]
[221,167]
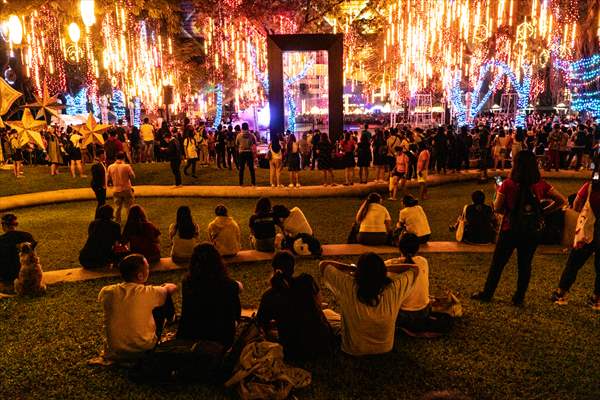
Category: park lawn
[61,229]
[496,351]
[37,178]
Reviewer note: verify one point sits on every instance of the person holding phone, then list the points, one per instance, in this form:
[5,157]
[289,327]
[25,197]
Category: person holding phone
[581,252]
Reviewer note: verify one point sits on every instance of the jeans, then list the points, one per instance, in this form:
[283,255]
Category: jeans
[191,162]
[246,157]
[231,154]
[176,169]
[162,314]
[576,260]
[507,243]
[221,157]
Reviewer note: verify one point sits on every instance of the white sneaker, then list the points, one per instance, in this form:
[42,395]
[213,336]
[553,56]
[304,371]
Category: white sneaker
[291,185]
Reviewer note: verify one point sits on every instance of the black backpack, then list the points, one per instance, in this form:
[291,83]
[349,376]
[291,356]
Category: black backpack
[527,218]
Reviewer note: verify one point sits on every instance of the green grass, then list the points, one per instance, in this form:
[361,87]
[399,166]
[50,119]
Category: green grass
[495,352]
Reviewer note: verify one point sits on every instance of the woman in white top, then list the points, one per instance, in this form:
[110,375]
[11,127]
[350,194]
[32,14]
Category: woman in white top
[190,148]
[500,149]
[275,163]
[415,317]
[374,221]
[184,235]
[412,219]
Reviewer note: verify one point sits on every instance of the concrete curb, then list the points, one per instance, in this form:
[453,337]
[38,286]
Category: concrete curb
[357,190]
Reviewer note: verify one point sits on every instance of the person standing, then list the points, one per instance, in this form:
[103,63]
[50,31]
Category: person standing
[98,183]
[423,169]
[554,140]
[246,144]
[304,147]
[174,157]
[120,175]
[293,160]
[190,148]
[348,146]
[231,148]
[75,154]
[220,143]
[316,139]
[518,200]
[147,135]
[54,152]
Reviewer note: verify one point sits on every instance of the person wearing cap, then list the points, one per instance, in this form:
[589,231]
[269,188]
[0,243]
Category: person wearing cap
[10,264]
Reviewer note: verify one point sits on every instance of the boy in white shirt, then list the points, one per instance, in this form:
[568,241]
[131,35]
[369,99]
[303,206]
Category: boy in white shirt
[134,313]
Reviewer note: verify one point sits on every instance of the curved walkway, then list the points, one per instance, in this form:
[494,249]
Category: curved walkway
[357,190]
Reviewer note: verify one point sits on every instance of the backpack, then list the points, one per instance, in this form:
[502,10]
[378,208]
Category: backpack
[527,219]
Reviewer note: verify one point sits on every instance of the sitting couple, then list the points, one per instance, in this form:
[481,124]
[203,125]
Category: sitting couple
[296,232]
[373,225]
[376,297]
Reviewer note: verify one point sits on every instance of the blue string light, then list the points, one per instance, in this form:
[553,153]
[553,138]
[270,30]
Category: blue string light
[118,104]
[77,104]
[581,75]
[219,112]
[137,112]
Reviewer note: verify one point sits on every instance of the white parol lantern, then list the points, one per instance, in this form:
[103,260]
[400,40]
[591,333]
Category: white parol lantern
[74,32]
[15,29]
[88,14]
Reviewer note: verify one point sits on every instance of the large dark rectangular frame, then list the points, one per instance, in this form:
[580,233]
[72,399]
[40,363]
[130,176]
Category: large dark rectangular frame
[334,45]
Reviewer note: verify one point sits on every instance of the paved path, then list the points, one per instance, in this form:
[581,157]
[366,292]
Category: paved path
[357,190]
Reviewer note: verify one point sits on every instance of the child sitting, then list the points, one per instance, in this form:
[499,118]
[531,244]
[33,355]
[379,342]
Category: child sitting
[134,313]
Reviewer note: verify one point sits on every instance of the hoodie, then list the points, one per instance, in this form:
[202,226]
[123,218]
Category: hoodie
[224,233]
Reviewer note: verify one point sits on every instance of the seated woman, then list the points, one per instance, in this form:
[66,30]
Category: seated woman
[479,220]
[292,305]
[184,235]
[141,234]
[292,222]
[374,222]
[224,233]
[210,304]
[412,219]
[369,301]
[262,226]
[415,317]
[103,234]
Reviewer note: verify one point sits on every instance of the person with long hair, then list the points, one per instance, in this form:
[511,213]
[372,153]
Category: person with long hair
[103,235]
[275,162]
[210,305]
[190,150]
[324,151]
[365,156]
[184,235]
[292,305]
[369,301]
[141,234]
[293,160]
[582,251]
[374,222]
[262,226]
[379,155]
[518,200]
[348,146]
[399,174]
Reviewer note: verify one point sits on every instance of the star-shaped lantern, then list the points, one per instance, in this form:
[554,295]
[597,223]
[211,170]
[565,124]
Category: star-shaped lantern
[46,103]
[8,95]
[28,129]
[92,131]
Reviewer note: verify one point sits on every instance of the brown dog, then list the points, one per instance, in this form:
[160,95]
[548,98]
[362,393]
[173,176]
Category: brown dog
[30,280]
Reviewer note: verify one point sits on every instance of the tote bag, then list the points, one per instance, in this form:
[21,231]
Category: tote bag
[460,228]
[584,231]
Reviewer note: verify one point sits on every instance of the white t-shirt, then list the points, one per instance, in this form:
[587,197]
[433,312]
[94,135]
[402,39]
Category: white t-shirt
[415,220]
[418,298]
[366,329]
[375,218]
[128,320]
[296,223]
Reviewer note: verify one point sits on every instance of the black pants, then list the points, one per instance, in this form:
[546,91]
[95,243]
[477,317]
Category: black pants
[576,260]
[176,168]
[506,245]
[246,157]
[163,314]
[191,162]
[221,163]
[231,154]
[314,158]
[100,196]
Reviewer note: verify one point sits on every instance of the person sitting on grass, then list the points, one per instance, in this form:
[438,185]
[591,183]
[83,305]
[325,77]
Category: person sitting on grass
[184,235]
[10,265]
[210,304]
[292,306]
[374,222]
[262,226]
[369,301]
[415,317]
[141,234]
[479,221]
[103,235]
[412,219]
[224,233]
[134,313]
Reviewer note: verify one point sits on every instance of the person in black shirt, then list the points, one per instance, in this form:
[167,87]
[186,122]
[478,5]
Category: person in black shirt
[292,306]
[440,150]
[210,303]
[484,152]
[174,156]
[221,138]
[10,265]
[480,221]
[231,147]
[98,183]
[103,234]
[262,226]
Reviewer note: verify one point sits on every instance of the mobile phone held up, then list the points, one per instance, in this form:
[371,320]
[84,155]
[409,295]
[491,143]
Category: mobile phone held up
[498,180]
[596,177]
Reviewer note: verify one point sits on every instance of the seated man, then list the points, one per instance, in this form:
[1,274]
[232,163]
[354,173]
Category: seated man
[9,253]
[134,313]
[224,233]
[415,317]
